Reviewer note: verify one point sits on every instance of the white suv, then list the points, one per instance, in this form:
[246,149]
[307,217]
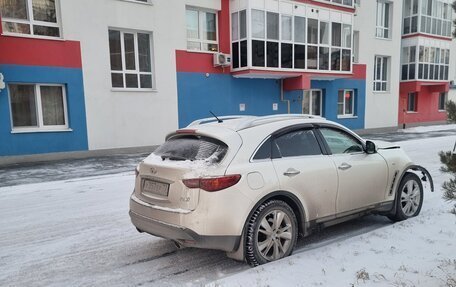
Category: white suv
[249,185]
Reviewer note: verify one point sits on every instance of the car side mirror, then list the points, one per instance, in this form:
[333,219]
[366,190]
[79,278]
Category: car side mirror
[370,147]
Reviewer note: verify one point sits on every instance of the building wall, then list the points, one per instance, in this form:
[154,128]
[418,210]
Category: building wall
[222,94]
[39,61]
[203,88]
[127,118]
[331,90]
[381,107]
[427,103]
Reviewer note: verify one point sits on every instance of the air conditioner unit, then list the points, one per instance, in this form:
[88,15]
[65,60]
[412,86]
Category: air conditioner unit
[221,59]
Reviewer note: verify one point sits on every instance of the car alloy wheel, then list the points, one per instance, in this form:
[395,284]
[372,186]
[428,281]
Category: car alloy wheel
[410,197]
[271,233]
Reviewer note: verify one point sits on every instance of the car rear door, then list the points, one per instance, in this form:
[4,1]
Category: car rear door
[303,170]
[362,177]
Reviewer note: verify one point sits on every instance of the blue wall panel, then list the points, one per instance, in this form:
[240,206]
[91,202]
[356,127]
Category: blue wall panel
[331,90]
[44,142]
[222,94]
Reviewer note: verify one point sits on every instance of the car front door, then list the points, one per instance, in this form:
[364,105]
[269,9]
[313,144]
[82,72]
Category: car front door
[362,177]
[303,170]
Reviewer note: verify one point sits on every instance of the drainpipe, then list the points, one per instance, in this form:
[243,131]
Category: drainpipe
[281,96]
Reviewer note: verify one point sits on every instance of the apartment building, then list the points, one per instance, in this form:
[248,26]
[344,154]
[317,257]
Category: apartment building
[425,65]
[126,72]
[377,41]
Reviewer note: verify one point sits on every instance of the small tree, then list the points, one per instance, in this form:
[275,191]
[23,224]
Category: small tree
[451,111]
[448,159]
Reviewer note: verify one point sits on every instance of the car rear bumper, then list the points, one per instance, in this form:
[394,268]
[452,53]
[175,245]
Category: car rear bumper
[184,236]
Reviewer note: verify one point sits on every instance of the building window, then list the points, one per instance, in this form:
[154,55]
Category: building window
[383,19]
[410,16]
[201,30]
[292,42]
[342,2]
[131,59]
[239,38]
[436,16]
[35,107]
[346,103]
[442,101]
[433,63]
[312,102]
[408,63]
[412,102]
[381,73]
[32,17]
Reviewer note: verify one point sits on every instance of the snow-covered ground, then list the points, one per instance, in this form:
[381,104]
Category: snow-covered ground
[418,252]
[425,129]
[77,233]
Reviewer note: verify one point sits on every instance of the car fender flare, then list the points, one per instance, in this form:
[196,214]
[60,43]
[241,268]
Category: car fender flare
[426,175]
[412,167]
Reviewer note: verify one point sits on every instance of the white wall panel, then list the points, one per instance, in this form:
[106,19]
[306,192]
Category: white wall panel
[272,5]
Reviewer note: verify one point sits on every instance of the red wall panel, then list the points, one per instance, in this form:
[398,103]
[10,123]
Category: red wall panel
[39,52]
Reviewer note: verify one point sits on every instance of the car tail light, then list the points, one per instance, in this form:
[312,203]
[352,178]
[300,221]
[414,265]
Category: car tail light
[212,183]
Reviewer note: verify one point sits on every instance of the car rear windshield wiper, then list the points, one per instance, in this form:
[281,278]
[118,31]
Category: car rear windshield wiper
[173,157]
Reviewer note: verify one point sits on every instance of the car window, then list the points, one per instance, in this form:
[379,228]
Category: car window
[192,148]
[297,143]
[341,142]
[264,152]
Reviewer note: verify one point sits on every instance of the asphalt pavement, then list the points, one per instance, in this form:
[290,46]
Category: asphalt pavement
[28,173]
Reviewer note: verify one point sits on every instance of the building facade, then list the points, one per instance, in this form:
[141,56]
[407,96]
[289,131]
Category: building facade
[42,107]
[425,60]
[124,73]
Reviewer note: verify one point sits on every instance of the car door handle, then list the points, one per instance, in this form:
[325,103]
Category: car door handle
[344,166]
[291,172]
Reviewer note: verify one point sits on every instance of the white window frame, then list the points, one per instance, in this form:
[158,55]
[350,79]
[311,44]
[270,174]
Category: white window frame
[200,39]
[445,63]
[406,61]
[136,71]
[333,2]
[344,115]
[380,24]
[445,97]
[415,110]
[435,17]
[147,2]
[31,22]
[311,111]
[293,42]
[381,80]
[39,111]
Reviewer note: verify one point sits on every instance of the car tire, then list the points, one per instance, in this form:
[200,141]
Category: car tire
[409,199]
[265,240]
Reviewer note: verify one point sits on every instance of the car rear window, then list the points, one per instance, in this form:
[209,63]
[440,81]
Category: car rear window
[192,148]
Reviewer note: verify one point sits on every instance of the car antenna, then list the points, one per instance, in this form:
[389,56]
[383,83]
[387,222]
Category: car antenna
[218,120]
